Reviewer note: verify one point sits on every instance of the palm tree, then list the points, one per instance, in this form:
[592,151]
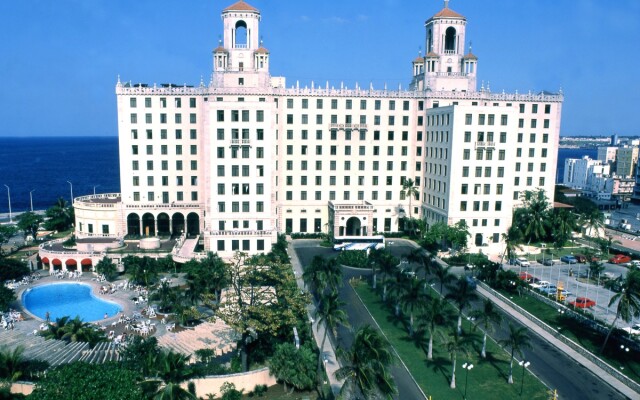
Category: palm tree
[443,275]
[322,274]
[76,330]
[518,340]
[593,222]
[462,293]
[399,287]
[564,223]
[409,189]
[436,312]
[12,363]
[628,300]
[330,312]
[388,266]
[535,210]
[486,317]
[511,239]
[413,298]
[454,343]
[367,366]
[171,369]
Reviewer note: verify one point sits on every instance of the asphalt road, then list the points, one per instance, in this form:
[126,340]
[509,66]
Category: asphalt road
[553,367]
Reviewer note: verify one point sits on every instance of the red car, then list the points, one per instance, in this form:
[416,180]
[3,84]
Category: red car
[583,302]
[620,259]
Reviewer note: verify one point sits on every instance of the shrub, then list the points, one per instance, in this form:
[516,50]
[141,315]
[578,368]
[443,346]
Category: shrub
[259,391]
[312,235]
[354,258]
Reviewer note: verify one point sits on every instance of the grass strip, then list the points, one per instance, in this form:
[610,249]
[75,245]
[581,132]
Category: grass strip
[488,378]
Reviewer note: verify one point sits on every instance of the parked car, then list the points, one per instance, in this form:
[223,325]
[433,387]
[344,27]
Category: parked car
[527,277]
[568,259]
[583,302]
[540,284]
[581,258]
[548,262]
[634,329]
[523,262]
[620,259]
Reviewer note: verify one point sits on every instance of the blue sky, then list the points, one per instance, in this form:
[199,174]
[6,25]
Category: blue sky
[60,58]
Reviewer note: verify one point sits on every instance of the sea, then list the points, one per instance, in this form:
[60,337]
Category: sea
[44,166]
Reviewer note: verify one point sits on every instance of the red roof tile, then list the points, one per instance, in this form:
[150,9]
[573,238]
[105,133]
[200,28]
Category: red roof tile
[262,50]
[470,56]
[418,60]
[241,6]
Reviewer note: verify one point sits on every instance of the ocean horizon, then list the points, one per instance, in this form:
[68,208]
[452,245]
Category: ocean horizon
[44,166]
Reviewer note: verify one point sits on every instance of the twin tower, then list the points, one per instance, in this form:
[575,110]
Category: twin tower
[241,60]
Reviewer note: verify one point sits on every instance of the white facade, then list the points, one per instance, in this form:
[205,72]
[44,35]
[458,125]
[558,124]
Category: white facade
[578,172]
[243,158]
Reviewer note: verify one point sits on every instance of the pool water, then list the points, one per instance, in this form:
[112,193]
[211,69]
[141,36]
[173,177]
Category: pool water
[67,299]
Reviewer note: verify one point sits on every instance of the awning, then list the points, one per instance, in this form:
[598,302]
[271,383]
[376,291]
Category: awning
[86,262]
[45,260]
[71,262]
[56,262]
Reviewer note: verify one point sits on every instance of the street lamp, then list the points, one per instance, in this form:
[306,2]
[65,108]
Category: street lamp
[94,189]
[9,196]
[71,188]
[31,198]
[525,365]
[468,367]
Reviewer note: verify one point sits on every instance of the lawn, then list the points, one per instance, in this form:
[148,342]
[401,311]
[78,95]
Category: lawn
[487,380]
[577,332]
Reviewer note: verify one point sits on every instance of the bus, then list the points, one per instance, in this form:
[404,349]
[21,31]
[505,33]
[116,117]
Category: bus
[358,242]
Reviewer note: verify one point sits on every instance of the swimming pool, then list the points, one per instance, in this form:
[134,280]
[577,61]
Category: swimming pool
[67,299]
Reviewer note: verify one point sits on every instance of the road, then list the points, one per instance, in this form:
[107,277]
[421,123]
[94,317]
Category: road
[553,367]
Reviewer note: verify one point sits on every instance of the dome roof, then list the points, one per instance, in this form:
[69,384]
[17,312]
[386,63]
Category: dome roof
[446,12]
[470,56]
[418,60]
[220,49]
[262,50]
[241,6]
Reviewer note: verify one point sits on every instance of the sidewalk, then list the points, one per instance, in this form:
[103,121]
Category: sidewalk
[331,362]
[612,381]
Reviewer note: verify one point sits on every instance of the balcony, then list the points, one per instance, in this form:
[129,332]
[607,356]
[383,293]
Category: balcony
[240,142]
[485,144]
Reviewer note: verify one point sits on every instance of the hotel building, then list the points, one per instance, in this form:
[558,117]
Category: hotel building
[238,160]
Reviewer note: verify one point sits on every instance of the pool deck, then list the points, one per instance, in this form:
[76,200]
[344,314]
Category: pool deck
[216,336]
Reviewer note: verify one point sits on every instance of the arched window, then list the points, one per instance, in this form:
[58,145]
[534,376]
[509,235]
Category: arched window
[450,39]
[241,39]
[429,41]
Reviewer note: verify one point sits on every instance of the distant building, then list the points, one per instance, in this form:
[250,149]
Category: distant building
[607,154]
[579,171]
[626,161]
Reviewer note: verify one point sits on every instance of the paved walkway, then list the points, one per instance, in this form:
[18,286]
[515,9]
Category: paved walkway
[615,383]
[331,362]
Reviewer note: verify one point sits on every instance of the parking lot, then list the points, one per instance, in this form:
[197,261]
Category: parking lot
[573,278]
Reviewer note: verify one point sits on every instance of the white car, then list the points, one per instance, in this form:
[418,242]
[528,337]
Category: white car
[540,284]
[634,330]
[523,262]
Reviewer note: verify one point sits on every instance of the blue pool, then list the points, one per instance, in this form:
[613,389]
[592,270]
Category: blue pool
[67,299]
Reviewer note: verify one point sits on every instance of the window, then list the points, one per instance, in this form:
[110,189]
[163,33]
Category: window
[468,120]
[464,189]
[503,119]
[503,137]
[465,172]
[132,102]
[467,137]
[463,206]
[466,154]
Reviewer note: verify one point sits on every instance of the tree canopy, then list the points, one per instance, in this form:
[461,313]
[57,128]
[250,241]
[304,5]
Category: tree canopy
[83,381]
